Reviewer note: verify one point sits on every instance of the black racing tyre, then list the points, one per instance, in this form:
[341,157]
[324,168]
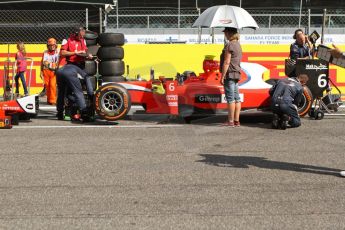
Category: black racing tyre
[90,67]
[90,35]
[90,42]
[110,53]
[92,50]
[111,39]
[112,78]
[111,68]
[112,102]
[306,102]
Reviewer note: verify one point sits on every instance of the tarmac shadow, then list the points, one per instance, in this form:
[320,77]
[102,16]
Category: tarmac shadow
[261,162]
[256,119]
[249,119]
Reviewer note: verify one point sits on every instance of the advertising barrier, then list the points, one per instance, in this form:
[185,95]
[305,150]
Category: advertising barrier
[168,59]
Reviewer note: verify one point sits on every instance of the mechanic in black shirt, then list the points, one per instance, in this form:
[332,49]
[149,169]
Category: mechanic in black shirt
[301,48]
[285,97]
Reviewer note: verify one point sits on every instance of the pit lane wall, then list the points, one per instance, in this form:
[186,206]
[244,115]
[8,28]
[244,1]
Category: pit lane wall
[168,59]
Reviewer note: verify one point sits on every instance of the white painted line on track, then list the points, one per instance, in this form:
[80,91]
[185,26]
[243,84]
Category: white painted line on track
[96,126]
[334,114]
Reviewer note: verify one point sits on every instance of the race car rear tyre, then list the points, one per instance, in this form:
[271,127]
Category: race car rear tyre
[112,102]
[111,68]
[111,39]
[92,50]
[112,78]
[110,53]
[306,102]
[90,42]
[90,67]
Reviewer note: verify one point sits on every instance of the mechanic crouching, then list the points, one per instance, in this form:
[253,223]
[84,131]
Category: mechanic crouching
[68,76]
[285,97]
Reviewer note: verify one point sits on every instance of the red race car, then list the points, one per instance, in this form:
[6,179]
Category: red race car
[188,95]
[11,110]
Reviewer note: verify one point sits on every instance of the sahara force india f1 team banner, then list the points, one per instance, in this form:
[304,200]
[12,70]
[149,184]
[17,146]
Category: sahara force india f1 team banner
[258,39]
[168,59]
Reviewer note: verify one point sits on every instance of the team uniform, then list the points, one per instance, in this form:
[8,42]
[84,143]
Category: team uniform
[68,76]
[50,62]
[286,95]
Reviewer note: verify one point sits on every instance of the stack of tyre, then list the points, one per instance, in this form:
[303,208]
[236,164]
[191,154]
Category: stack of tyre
[92,48]
[111,66]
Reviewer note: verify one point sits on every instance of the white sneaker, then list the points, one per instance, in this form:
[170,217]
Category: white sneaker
[342,173]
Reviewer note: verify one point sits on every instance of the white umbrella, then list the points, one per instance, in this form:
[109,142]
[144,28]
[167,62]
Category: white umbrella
[225,16]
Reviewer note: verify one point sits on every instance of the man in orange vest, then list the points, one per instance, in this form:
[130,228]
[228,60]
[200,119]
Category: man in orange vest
[49,65]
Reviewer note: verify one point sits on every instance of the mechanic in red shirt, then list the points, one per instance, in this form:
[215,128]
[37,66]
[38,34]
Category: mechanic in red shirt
[74,50]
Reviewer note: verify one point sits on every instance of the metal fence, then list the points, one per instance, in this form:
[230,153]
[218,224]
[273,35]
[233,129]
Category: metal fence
[35,26]
[172,18]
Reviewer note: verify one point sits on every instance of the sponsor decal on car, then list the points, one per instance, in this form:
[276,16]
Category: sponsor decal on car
[208,98]
[213,98]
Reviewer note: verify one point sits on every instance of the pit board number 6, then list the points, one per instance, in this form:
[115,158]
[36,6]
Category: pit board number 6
[322,80]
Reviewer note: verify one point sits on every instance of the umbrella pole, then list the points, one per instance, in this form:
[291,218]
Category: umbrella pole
[212,35]
[199,34]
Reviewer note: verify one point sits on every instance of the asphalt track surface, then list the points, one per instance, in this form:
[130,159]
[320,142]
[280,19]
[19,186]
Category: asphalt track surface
[147,172]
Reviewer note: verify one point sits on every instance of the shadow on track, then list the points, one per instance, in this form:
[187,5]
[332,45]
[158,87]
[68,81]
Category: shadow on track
[261,162]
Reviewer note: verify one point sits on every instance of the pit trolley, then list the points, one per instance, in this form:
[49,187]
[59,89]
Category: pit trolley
[328,102]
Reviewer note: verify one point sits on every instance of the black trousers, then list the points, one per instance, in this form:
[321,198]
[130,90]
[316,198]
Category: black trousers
[68,81]
[288,109]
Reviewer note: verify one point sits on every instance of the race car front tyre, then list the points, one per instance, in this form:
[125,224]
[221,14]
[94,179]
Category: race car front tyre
[110,53]
[111,39]
[306,102]
[90,67]
[112,102]
[111,68]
